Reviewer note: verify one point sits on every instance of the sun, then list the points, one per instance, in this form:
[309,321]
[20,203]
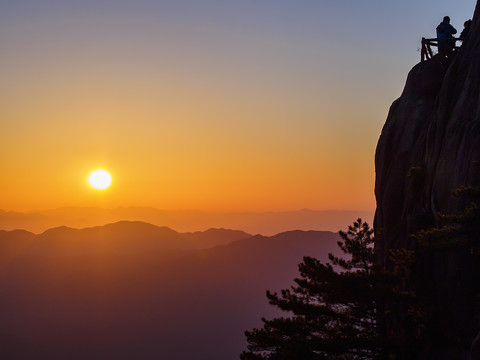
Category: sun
[100,179]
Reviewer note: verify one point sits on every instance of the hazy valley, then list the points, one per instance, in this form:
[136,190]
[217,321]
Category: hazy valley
[134,290]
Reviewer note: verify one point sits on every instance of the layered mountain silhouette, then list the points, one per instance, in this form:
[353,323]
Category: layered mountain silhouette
[85,294]
[120,237]
[265,223]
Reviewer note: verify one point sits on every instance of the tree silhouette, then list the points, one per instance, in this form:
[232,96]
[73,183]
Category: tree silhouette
[447,292]
[333,307]
[427,297]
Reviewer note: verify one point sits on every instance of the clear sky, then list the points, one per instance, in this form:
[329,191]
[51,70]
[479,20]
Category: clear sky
[210,105]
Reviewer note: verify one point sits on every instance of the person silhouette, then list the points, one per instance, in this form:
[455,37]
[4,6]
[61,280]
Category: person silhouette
[466,29]
[445,33]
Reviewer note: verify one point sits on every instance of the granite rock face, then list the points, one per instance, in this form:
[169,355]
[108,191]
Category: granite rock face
[430,146]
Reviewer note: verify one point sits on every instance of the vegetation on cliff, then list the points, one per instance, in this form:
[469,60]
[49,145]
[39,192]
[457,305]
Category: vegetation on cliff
[353,308]
[333,307]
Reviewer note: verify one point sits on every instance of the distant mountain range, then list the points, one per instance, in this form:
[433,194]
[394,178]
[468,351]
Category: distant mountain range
[123,237]
[265,223]
[132,290]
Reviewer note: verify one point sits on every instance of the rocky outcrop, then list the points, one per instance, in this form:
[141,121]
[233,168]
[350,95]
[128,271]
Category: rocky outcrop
[430,146]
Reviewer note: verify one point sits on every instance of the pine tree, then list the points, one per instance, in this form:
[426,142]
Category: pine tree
[448,258]
[332,308]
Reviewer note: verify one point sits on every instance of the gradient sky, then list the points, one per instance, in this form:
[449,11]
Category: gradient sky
[211,105]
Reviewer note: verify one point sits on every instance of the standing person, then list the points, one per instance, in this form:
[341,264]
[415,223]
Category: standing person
[445,33]
[466,29]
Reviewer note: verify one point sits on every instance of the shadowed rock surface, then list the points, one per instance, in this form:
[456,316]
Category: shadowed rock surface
[430,146]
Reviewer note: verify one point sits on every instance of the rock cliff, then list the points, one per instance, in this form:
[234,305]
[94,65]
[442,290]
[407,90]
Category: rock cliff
[430,146]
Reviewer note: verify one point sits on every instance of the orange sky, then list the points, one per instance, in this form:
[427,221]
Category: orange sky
[234,107]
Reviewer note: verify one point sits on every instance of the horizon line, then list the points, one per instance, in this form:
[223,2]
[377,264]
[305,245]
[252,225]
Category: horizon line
[181,210]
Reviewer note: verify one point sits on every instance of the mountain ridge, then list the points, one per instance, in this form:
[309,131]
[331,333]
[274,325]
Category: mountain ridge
[266,223]
[121,237]
[188,304]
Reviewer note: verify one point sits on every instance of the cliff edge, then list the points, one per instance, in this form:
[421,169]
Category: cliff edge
[430,146]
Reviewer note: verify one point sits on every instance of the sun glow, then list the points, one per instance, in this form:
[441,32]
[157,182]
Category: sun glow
[100,179]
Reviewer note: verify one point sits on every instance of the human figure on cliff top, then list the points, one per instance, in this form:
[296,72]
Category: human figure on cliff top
[445,33]
[466,29]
